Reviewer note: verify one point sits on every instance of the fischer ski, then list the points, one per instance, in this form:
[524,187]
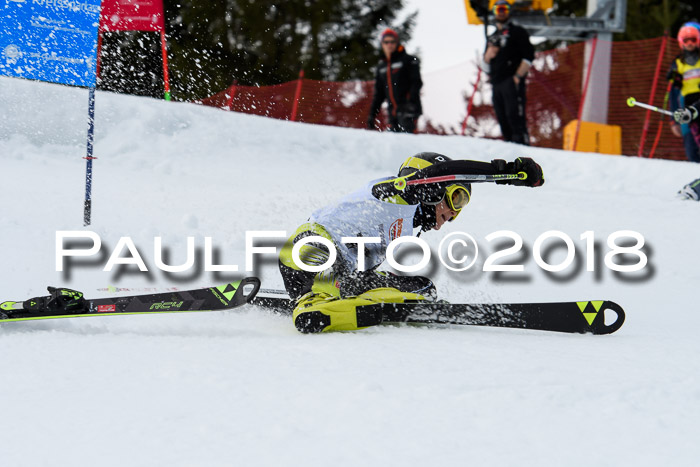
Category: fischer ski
[571,317]
[66,303]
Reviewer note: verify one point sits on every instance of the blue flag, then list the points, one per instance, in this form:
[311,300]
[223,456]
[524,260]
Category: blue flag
[50,40]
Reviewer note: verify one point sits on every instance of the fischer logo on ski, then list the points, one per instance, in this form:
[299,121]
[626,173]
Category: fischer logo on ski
[224,293]
[106,308]
[590,315]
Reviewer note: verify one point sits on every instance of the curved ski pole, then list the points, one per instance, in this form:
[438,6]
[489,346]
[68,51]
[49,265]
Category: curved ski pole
[633,102]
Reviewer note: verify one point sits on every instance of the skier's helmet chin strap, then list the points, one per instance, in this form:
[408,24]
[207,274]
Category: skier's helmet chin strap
[426,217]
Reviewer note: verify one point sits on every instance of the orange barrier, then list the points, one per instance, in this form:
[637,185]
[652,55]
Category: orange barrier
[554,93]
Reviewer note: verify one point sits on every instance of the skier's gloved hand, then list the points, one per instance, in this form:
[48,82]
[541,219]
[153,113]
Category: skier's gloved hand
[685,115]
[532,169]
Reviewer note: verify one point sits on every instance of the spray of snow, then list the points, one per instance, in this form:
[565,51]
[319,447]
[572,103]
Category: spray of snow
[244,388]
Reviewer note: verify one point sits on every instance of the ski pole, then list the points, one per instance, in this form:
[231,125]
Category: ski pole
[401,183]
[632,102]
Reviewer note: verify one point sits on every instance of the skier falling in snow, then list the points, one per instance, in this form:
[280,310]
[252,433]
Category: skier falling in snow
[429,190]
[384,209]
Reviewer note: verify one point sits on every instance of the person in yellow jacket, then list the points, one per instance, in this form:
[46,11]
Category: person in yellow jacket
[381,211]
[685,74]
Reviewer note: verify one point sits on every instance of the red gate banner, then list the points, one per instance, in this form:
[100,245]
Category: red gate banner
[132,15]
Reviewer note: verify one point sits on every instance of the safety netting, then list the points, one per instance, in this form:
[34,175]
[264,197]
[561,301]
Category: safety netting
[343,104]
[554,95]
[634,74]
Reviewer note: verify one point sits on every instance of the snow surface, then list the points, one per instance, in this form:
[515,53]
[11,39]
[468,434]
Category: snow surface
[244,388]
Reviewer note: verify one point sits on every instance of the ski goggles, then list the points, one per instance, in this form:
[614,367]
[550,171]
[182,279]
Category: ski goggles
[689,40]
[457,197]
[500,9]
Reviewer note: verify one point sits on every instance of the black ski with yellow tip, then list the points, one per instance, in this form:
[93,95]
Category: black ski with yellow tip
[594,317]
[65,303]
[573,317]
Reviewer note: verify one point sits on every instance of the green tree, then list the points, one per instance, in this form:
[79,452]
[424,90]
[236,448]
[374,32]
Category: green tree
[254,42]
[645,18]
[131,63]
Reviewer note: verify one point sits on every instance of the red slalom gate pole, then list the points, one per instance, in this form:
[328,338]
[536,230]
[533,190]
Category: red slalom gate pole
[166,78]
[656,139]
[585,89]
[297,96]
[471,102]
[652,94]
[661,122]
[229,101]
[98,64]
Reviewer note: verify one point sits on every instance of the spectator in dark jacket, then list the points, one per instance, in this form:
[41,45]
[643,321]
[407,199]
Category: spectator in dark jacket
[507,60]
[397,79]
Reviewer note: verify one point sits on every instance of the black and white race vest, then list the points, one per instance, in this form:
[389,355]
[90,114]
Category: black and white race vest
[360,214]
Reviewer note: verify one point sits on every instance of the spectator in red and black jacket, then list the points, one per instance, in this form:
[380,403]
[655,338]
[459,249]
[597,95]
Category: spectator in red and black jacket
[508,57]
[402,90]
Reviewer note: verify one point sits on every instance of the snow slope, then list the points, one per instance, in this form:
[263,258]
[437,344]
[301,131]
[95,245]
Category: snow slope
[244,388]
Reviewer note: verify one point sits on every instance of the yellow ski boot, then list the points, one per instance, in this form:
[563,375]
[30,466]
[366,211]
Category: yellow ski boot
[321,312]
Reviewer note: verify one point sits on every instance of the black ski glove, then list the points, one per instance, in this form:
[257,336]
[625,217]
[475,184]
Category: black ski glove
[534,178]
